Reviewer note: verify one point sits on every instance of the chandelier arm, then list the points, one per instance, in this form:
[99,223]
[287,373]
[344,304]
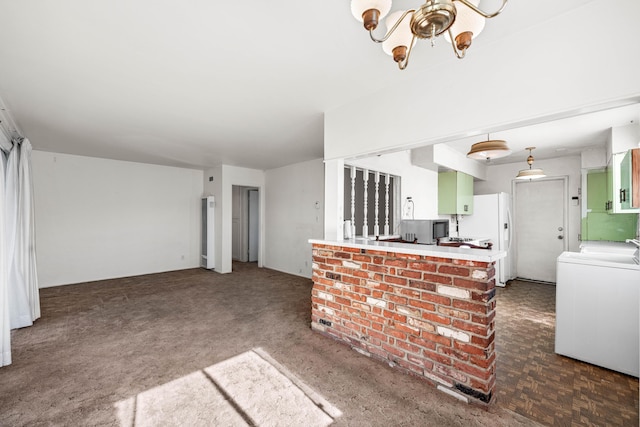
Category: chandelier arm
[480,12]
[403,64]
[391,30]
[458,53]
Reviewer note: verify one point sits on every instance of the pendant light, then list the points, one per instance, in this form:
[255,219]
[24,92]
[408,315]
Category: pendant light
[489,149]
[530,173]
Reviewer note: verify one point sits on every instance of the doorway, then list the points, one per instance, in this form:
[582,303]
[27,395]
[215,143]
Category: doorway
[541,227]
[245,228]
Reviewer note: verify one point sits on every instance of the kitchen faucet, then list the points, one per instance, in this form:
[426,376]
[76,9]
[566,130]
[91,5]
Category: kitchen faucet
[636,255]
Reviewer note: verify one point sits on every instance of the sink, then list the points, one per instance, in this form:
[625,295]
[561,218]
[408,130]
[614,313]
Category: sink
[615,260]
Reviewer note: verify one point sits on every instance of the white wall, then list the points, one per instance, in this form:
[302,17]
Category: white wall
[294,214]
[558,67]
[219,182]
[99,219]
[500,178]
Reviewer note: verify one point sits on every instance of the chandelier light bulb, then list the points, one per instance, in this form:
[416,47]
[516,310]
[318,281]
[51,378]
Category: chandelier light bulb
[400,40]
[369,12]
[467,26]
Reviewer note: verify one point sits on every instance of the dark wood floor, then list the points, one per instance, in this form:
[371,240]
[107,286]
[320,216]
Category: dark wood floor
[551,389]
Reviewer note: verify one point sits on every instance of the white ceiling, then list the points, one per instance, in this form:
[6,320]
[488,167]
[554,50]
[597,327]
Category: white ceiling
[557,138]
[197,83]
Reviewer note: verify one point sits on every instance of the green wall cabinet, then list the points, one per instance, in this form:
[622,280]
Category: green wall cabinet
[597,191]
[455,193]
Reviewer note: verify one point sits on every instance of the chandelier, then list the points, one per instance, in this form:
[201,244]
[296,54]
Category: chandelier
[459,20]
[530,173]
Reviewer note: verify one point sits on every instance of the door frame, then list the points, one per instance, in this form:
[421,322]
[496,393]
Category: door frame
[565,214]
[240,234]
[253,225]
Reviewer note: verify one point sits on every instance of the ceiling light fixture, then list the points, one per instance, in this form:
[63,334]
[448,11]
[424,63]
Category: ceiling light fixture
[530,173]
[459,20]
[489,149]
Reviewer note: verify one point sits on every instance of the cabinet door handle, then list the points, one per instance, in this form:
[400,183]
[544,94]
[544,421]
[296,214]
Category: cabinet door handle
[623,195]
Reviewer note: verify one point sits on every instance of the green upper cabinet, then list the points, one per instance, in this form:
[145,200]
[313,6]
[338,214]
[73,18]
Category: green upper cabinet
[625,181]
[455,193]
[597,191]
[610,186]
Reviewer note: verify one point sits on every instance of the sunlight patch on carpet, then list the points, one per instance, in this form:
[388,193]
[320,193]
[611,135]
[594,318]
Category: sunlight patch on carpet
[249,389]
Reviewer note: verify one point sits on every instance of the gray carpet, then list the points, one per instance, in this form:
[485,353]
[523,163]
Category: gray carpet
[168,349]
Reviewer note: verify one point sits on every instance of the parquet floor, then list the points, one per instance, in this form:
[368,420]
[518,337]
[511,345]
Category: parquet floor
[554,390]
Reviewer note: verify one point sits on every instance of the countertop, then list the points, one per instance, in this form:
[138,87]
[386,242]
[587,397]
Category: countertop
[483,255]
[599,259]
[607,247]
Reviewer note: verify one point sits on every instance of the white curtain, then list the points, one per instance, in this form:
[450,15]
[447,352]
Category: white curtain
[26,242]
[20,304]
[5,328]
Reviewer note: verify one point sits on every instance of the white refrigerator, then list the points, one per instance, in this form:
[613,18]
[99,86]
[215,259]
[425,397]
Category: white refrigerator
[492,219]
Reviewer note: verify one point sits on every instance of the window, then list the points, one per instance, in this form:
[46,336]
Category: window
[377,205]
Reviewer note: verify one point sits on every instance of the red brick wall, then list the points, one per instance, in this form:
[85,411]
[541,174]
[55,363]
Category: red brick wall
[431,317]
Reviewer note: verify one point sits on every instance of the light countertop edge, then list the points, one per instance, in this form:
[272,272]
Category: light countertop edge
[468,254]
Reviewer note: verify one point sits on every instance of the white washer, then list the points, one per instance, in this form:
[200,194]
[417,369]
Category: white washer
[597,299]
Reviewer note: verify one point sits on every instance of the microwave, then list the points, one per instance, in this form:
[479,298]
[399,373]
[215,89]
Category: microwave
[424,231]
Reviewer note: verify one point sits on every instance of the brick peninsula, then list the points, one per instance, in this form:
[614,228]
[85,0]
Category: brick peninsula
[426,310]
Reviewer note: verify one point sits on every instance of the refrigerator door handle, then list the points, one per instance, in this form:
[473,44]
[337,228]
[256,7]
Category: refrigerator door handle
[509,223]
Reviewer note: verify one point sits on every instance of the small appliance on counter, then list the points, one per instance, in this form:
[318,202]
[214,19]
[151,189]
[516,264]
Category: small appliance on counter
[470,242]
[424,231]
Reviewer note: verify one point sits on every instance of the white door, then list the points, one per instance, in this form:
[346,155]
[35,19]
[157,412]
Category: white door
[254,225]
[540,228]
